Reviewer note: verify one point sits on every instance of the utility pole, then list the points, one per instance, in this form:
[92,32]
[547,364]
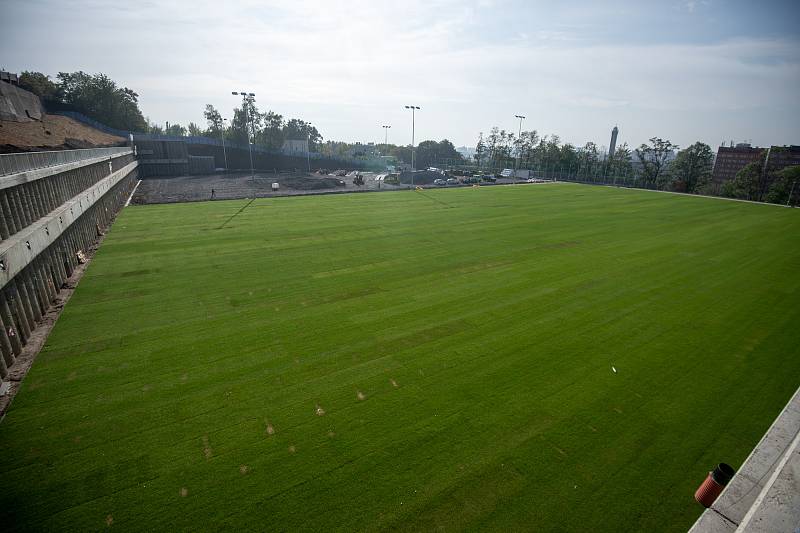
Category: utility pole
[413,108]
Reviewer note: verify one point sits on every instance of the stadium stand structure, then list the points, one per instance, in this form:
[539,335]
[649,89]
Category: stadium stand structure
[53,208]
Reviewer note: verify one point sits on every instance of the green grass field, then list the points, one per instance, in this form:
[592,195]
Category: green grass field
[409,361]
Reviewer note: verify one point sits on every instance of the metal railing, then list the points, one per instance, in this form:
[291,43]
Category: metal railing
[24,161]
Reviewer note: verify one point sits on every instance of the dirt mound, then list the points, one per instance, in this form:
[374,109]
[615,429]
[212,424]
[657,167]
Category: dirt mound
[53,132]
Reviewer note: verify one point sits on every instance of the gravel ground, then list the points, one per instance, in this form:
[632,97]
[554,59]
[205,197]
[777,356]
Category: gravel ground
[232,186]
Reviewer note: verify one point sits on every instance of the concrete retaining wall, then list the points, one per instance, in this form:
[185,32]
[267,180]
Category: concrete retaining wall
[47,217]
[18,105]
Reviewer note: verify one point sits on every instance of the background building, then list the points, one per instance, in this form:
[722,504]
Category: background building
[779,157]
[613,145]
[731,159]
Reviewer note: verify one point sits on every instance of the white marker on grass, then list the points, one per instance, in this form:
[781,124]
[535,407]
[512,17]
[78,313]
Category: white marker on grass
[614,369]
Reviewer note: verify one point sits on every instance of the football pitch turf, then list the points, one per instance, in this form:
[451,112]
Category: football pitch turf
[409,360]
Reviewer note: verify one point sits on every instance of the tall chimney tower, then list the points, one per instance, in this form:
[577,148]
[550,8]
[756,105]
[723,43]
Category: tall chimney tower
[613,145]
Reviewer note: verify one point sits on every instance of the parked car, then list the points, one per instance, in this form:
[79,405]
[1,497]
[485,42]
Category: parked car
[507,173]
[452,181]
[340,182]
[471,179]
[439,182]
[488,177]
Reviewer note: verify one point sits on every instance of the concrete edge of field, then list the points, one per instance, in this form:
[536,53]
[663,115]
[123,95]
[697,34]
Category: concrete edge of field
[679,194]
[764,495]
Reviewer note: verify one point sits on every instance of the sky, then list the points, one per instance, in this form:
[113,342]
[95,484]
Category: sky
[700,70]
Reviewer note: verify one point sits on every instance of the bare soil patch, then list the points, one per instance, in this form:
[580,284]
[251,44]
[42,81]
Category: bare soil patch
[54,132]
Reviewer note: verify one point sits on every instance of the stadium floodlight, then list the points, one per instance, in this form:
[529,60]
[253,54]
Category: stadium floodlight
[519,144]
[385,136]
[413,108]
[248,98]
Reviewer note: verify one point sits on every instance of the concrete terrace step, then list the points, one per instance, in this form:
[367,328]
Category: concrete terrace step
[764,495]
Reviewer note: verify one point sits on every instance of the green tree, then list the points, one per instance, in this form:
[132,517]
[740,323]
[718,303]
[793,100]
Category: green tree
[298,129]
[213,120]
[480,151]
[98,97]
[402,153]
[432,153]
[785,188]
[39,84]
[528,142]
[194,130]
[271,133]
[152,127]
[588,160]
[654,160]
[619,165]
[746,184]
[692,167]
[493,144]
[247,124]
[175,130]
[568,158]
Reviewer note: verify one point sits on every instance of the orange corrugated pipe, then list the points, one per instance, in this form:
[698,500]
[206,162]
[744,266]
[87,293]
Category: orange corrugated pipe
[712,486]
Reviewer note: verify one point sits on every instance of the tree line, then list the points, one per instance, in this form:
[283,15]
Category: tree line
[95,95]
[654,164]
[657,164]
[267,128]
[99,97]
[760,181]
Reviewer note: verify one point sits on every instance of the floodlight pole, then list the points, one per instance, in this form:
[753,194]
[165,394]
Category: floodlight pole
[413,108]
[248,98]
[224,152]
[385,136]
[519,145]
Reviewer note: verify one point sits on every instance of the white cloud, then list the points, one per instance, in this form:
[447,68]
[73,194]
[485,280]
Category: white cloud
[350,68]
